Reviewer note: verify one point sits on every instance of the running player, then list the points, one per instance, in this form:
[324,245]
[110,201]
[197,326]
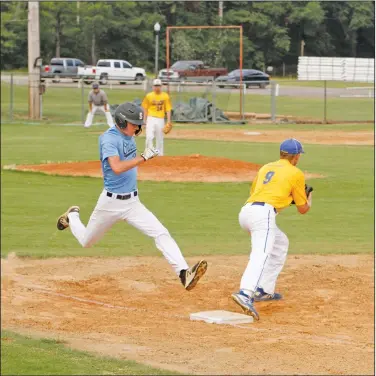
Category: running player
[119,201]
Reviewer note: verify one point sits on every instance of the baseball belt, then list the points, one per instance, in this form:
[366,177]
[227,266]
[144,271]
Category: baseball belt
[262,204]
[122,197]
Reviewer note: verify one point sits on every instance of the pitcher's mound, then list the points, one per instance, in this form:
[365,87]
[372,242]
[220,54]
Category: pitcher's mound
[178,169]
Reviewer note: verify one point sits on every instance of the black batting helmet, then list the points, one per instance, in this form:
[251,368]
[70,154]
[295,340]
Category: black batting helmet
[129,113]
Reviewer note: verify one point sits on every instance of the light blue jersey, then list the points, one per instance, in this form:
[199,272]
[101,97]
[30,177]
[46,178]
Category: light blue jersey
[114,143]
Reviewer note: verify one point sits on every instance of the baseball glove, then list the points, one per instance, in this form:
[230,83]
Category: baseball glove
[308,190]
[167,128]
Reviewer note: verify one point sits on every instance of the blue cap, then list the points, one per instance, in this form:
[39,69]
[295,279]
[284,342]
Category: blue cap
[291,146]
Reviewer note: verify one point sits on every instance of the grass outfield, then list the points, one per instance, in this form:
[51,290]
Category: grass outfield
[329,84]
[65,105]
[22,355]
[202,217]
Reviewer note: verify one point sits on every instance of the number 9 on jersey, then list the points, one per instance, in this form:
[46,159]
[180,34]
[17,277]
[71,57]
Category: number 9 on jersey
[268,177]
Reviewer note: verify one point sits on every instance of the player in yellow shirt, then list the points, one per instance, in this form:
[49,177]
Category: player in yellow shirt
[276,186]
[157,105]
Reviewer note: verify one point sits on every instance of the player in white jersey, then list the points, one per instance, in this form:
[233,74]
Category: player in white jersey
[120,201]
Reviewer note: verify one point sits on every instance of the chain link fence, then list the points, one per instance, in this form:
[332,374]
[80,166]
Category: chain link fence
[282,100]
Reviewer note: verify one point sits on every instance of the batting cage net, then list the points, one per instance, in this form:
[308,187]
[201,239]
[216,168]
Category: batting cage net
[198,62]
[205,103]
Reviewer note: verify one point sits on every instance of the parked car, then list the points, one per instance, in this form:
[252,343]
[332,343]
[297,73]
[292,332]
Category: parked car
[61,67]
[190,70]
[110,69]
[250,77]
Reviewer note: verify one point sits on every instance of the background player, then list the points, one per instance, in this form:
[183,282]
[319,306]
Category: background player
[98,101]
[275,187]
[157,105]
[119,200]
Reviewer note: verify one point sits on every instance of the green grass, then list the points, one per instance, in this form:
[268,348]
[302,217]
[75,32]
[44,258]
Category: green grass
[283,126]
[23,355]
[23,71]
[202,217]
[60,104]
[329,84]
[64,105]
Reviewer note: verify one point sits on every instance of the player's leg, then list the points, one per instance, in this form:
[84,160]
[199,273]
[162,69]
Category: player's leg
[100,221]
[150,132]
[110,121]
[261,224]
[259,221]
[90,116]
[159,135]
[102,218]
[144,220]
[272,269]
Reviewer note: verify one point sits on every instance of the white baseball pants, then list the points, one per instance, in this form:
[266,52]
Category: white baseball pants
[94,109]
[110,210]
[154,129]
[269,248]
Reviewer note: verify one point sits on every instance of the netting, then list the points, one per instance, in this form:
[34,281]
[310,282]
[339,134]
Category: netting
[205,103]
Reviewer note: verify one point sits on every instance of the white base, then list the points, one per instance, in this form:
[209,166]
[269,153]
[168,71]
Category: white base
[221,317]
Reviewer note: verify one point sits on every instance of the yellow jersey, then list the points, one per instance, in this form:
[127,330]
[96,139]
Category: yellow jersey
[157,104]
[278,183]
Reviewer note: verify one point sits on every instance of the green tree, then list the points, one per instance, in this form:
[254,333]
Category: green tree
[273,31]
[13,34]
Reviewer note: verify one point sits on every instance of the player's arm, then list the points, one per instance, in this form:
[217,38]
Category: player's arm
[105,101]
[253,186]
[90,101]
[145,106]
[168,109]
[110,152]
[302,202]
[119,166]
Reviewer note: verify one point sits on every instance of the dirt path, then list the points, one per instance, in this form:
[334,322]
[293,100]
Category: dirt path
[308,137]
[324,325]
[196,167]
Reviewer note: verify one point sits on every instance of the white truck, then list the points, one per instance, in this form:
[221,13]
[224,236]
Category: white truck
[114,70]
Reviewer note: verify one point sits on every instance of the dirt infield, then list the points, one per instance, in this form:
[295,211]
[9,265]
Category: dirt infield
[309,137]
[196,167]
[135,308]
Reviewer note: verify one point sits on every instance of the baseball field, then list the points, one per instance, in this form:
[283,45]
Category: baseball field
[117,308]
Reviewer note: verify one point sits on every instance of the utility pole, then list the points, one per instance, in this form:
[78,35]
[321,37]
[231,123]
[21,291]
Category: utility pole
[78,12]
[33,55]
[220,11]
[302,44]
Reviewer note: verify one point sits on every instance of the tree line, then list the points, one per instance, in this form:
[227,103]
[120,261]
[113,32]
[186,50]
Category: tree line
[273,32]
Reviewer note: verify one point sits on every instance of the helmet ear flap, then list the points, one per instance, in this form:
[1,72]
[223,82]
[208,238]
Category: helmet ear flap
[124,125]
[139,130]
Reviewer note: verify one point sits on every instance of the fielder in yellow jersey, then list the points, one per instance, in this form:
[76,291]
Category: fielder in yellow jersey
[278,184]
[157,105]
[275,187]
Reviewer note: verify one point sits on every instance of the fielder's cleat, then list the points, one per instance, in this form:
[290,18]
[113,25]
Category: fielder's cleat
[63,221]
[191,276]
[262,296]
[246,303]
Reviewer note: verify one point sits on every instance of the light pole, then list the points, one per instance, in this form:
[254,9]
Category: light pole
[157,29]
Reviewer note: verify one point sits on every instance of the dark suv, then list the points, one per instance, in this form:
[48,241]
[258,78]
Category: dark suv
[250,77]
[61,67]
